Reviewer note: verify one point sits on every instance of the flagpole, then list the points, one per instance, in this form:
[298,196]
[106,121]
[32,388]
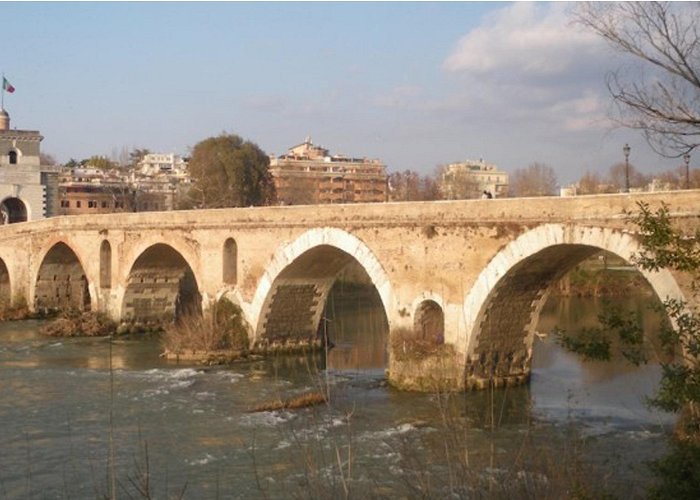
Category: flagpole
[2,99]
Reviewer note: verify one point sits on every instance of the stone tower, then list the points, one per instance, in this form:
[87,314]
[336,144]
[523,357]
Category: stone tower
[28,190]
[4,120]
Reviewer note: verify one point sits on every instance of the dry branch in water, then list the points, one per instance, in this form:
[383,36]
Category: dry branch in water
[301,401]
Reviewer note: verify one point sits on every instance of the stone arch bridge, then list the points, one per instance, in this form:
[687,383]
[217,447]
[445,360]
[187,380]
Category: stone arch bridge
[479,269]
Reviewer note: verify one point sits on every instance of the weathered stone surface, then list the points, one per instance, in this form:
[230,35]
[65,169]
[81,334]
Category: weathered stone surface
[486,264]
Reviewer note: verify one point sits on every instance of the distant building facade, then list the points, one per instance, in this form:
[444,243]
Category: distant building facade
[156,163]
[471,179]
[154,186]
[28,190]
[308,174]
[93,191]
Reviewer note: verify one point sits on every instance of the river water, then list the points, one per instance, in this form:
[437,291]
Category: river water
[178,430]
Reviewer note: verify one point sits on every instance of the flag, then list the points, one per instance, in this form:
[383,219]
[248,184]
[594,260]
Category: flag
[7,85]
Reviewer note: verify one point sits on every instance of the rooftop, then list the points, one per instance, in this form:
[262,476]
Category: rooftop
[16,132]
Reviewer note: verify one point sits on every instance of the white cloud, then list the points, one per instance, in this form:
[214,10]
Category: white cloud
[530,65]
[525,40]
[583,113]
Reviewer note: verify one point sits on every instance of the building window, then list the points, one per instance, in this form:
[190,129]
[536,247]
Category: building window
[13,157]
[92,204]
[104,204]
[77,204]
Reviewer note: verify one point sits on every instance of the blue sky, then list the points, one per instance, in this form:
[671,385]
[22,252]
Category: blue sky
[413,84]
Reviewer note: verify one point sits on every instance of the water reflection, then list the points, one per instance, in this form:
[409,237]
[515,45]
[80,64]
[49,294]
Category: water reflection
[616,389]
[357,327]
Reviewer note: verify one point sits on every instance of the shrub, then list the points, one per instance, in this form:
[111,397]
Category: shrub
[222,328]
[75,323]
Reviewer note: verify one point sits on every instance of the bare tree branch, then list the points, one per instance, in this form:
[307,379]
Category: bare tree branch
[661,37]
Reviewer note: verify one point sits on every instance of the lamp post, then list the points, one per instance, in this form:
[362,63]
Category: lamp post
[686,159]
[626,150]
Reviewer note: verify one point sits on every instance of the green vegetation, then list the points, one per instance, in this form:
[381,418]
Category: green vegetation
[664,246]
[230,172]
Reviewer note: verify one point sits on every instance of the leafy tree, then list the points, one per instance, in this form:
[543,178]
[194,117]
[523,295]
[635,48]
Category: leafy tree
[660,94]
[230,172]
[136,155]
[679,473]
[99,162]
[72,163]
[47,159]
[537,179]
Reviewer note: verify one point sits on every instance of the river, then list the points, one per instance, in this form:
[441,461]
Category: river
[178,430]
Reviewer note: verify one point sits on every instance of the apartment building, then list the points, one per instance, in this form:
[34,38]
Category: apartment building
[471,179]
[308,174]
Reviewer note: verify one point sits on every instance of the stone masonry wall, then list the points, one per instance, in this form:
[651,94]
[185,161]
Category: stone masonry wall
[152,294]
[292,310]
[62,286]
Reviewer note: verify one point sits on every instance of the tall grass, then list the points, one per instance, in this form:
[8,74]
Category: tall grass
[222,328]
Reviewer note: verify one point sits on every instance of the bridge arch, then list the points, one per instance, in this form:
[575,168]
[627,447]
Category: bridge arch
[61,281]
[160,285]
[13,210]
[502,308]
[305,270]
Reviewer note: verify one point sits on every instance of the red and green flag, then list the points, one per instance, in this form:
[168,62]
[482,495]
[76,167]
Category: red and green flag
[7,85]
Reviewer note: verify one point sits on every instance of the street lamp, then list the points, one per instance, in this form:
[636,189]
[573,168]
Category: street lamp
[686,159]
[626,150]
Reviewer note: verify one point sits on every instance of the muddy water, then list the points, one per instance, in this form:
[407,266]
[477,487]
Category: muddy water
[176,428]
